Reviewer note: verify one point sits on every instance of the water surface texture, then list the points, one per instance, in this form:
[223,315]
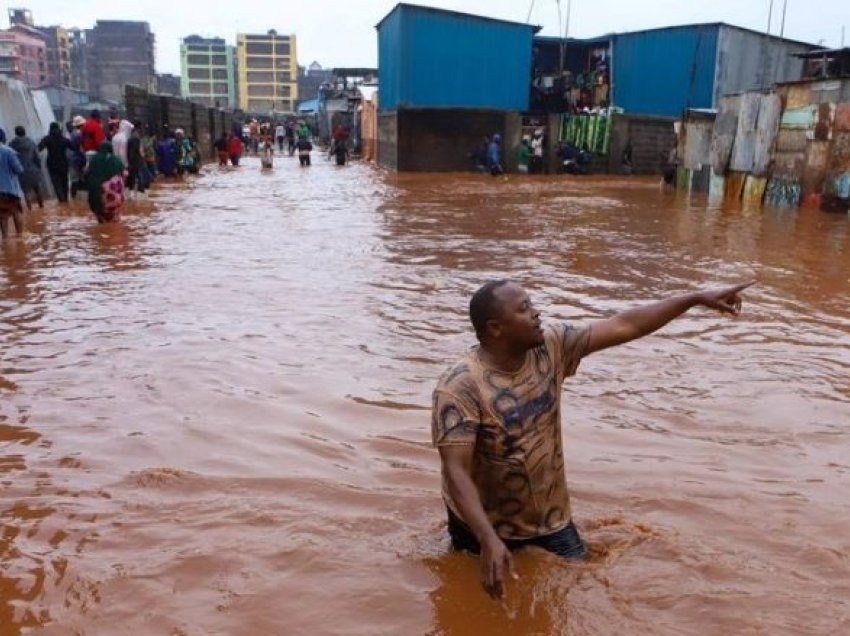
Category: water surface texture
[214,418]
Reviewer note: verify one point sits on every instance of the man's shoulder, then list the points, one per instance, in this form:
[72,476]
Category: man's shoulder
[459,377]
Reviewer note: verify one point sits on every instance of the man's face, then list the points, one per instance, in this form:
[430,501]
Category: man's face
[518,323]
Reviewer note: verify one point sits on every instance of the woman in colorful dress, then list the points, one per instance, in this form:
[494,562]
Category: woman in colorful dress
[105,183]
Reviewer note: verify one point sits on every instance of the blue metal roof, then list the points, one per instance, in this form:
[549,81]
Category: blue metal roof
[430,58]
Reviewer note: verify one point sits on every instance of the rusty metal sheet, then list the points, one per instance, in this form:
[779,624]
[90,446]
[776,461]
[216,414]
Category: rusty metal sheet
[735,186]
[826,92]
[698,144]
[723,136]
[823,125]
[788,165]
[743,150]
[803,117]
[798,96]
[716,187]
[814,169]
[770,112]
[789,140]
[754,188]
[841,122]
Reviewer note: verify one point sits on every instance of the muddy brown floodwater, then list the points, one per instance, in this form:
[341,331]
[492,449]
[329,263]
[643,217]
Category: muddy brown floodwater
[214,418]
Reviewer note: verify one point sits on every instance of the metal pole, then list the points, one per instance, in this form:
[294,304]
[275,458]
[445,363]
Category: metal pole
[766,47]
[561,48]
[779,44]
[530,9]
[567,29]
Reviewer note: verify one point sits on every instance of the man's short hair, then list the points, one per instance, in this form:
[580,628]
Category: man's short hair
[484,305]
[20,131]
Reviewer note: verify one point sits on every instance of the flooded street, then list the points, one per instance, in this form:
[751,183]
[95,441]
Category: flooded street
[214,418]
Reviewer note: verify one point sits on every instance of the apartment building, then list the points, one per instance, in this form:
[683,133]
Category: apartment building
[267,68]
[207,71]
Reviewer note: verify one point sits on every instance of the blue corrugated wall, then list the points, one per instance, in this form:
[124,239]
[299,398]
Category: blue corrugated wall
[433,59]
[390,60]
[665,71]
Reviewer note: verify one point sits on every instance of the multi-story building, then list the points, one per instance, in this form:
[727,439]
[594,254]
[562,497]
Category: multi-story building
[207,71]
[268,72]
[78,53]
[58,55]
[121,52]
[311,78]
[168,84]
[55,39]
[20,17]
[23,55]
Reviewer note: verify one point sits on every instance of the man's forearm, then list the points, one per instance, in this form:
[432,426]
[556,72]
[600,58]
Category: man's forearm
[465,495]
[638,322]
[642,321]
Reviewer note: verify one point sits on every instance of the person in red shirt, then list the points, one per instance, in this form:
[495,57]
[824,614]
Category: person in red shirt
[235,149]
[92,135]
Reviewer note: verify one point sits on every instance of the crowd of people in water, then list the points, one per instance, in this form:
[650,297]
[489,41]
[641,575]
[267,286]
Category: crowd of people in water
[487,157]
[117,159]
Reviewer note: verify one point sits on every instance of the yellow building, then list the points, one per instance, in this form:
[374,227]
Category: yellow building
[267,72]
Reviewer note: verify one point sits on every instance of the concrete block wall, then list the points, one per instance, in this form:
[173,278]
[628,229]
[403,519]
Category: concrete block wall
[651,139]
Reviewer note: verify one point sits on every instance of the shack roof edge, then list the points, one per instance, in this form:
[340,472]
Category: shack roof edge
[717,24]
[419,7]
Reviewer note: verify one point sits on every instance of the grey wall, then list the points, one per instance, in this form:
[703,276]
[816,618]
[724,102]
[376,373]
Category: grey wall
[749,61]
[651,138]
[387,151]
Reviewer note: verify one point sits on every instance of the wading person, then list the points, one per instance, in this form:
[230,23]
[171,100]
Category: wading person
[58,150]
[105,184]
[494,155]
[496,421]
[28,155]
[304,149]
[10,189]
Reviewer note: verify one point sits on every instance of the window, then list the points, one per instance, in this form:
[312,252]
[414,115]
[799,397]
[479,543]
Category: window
[260,76]
[281,48]
[202,60]
[260,62]
[284,91]
[202,88]
[219,73]
[259,48]
[220,88]
[284,77]
[219,60]
[199,73]
[260,105]
[261,90]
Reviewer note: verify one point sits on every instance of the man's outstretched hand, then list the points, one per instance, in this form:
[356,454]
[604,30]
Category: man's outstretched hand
[496,563]
[726,300]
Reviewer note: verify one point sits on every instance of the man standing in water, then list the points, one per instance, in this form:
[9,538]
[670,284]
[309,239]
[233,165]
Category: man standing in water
[497,424]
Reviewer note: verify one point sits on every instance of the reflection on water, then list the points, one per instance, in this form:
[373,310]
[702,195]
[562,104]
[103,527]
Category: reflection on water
[214,417]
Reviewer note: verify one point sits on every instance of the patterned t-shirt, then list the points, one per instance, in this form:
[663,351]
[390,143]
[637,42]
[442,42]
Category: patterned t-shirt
[514,421]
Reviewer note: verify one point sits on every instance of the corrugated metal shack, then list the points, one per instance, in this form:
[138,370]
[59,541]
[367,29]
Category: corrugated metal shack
[447,79]
[783,148]
[669,70]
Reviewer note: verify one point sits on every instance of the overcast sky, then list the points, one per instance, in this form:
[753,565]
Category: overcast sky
[342,32]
